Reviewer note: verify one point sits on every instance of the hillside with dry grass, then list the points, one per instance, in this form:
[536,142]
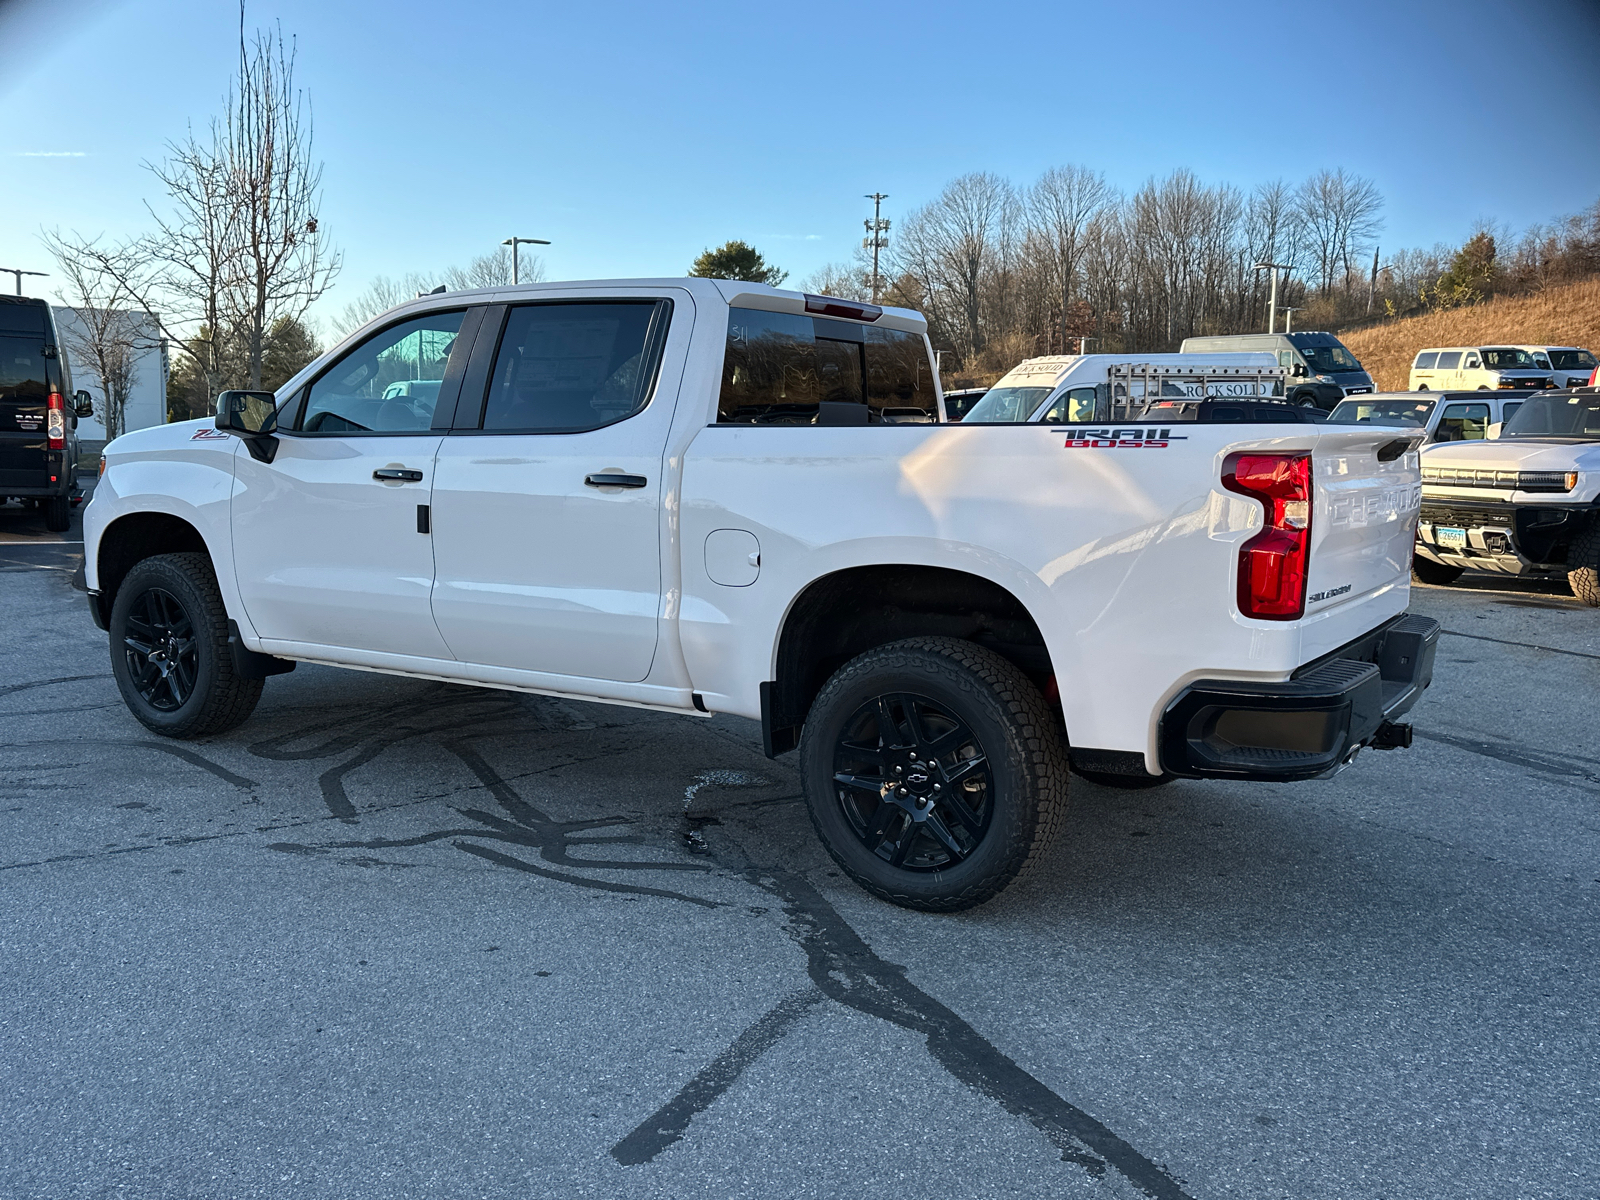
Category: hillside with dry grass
[1558,316]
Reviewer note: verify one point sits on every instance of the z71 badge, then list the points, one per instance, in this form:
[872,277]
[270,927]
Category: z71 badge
[1132,437]
[207,434]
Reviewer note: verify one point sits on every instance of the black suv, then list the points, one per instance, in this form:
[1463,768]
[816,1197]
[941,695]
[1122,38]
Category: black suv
[38,411]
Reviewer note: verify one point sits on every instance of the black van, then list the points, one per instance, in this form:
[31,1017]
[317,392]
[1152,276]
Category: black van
[38,411]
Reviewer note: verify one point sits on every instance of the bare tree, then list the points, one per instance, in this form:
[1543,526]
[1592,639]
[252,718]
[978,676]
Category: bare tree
[107,335]
[274,186]
[1060,207]
[1339,214]
[237,247]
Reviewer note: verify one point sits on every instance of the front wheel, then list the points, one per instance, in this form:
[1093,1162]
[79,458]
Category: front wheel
[934,772]
[1425,570]
[169,649]
[1584,558]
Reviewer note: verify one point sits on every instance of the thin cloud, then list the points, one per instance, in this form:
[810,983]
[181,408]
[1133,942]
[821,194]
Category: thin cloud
[793,237]
[49,154]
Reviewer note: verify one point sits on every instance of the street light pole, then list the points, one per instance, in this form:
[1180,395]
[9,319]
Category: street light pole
[19,274]
[514,242]
[875,239]
[1272,303]
[1288,318]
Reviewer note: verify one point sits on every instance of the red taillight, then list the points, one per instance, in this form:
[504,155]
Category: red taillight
[1272,565]
[55,421]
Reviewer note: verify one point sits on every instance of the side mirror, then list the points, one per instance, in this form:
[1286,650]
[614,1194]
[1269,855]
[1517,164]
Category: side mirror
[249,414]
[82,404]
[1298,370]
[1494,430]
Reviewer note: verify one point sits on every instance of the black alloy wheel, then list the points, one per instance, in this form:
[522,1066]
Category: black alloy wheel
[169,649]
[162,655]
[934,772]
[913,782]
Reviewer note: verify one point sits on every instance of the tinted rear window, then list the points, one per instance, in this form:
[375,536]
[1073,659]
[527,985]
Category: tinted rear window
[22,370]
[22,318]
[780,366]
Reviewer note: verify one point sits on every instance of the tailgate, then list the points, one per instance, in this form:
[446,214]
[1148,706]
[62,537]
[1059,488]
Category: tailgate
[1367,493]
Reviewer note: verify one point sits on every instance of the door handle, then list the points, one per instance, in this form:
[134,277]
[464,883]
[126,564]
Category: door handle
[398,474]
[611,479]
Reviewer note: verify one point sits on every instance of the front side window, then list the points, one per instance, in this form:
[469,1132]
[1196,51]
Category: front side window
[1426,360]
[389,383]
[1463,423]
[1073,406]
[1510,410]
[780,368]
[1449,360]
[567,368]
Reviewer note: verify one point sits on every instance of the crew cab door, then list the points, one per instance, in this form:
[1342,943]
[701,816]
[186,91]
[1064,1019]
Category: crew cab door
[547,495]
[330,539]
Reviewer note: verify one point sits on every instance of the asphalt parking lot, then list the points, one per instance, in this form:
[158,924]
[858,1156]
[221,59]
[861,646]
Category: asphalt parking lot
[403,939]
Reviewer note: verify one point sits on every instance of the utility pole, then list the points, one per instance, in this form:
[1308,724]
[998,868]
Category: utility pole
[19,274]
[877,236]
[514,242]
[1272,304]
[1372,286]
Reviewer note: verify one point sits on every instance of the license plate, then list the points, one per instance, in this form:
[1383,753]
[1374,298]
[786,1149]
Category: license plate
[1450,539]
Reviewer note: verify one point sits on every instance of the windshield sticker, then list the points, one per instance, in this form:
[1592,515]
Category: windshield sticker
[207,434]
[1121,438]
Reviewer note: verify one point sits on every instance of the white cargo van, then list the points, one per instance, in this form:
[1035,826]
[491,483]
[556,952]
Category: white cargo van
[1065,388]
[1569,366]
[1481,368]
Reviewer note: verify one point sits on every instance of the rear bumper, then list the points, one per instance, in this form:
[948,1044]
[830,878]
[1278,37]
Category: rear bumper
[1309,726]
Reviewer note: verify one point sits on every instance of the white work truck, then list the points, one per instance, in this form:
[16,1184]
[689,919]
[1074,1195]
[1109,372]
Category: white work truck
[704,496]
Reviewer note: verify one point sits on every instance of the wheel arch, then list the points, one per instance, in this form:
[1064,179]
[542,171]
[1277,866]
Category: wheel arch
[847,612]
[134,537]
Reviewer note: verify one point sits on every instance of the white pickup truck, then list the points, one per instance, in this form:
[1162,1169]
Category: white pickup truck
[704,496]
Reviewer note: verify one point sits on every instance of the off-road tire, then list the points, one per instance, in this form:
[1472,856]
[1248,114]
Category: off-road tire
[57,514]
[1584,578]
[1425,570]
[220,699]
[1126,783]
[1020,737]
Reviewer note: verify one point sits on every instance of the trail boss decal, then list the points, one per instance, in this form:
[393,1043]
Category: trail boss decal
[207,434]
[1119,437]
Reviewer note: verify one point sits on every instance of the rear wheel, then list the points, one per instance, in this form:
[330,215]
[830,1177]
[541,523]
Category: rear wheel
[57,514]
[1584,557]
[934,772]
[169,649]
[1425,570]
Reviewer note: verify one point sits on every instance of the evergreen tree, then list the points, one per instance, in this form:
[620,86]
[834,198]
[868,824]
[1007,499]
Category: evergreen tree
[737,260]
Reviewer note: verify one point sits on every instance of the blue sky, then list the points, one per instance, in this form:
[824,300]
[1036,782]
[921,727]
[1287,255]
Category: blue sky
[635,135]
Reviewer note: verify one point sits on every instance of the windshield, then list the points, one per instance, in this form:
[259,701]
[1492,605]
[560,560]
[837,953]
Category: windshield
[1325,360]
[1572,360]
[1382,412]
[1502,358]
[1556,417]
[1007,404]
